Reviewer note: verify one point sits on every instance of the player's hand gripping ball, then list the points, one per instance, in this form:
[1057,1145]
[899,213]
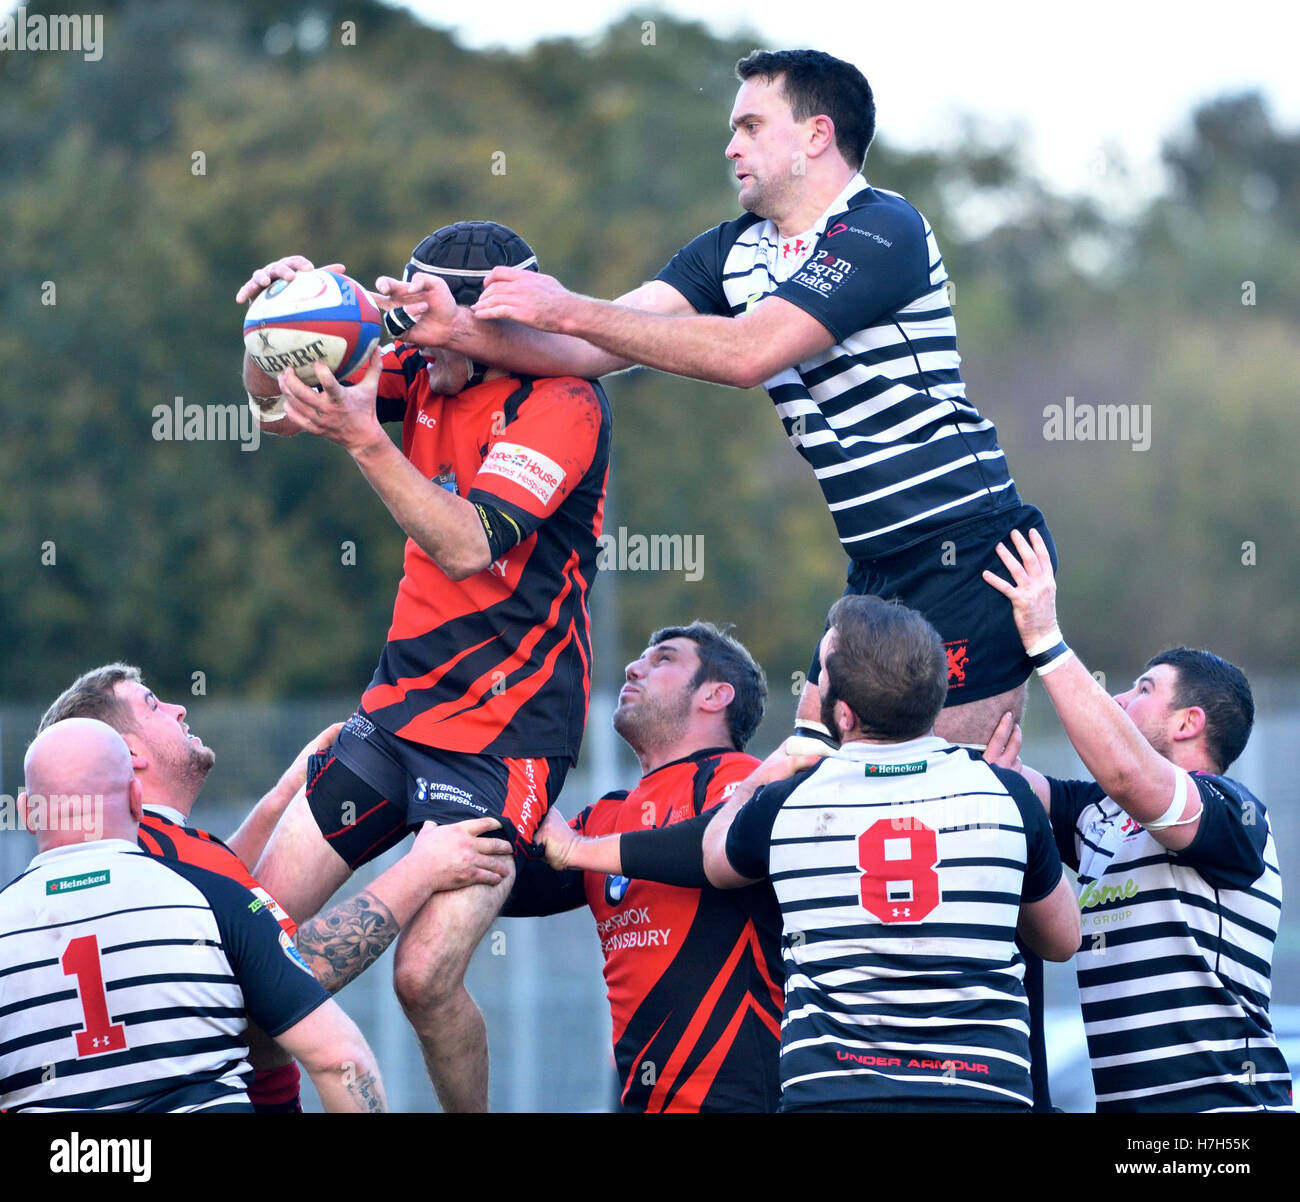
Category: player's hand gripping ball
[316,317]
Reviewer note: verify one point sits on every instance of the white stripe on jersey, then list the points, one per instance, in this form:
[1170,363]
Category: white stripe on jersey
[753,268]
[1148,940]
[951,985]
[153,929]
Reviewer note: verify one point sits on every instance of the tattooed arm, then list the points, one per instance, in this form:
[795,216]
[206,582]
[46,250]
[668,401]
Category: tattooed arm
[338,1060]
[344,941]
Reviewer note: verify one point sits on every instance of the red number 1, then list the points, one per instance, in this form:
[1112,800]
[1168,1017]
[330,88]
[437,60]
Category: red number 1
[899,882]
[81,960]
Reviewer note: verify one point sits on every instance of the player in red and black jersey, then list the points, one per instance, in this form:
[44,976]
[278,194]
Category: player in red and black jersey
[479,700]
[694,975]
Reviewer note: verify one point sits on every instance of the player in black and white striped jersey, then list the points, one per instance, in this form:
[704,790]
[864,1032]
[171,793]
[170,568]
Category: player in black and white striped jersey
[904,868]
[1178,873]
[127,982]
[832,295]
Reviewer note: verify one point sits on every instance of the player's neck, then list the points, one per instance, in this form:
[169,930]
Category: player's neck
[653,758]
[814,199]
[159,793]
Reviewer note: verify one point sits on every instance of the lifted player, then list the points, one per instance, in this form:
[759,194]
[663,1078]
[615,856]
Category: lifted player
[831,294]
[478,704]
[693,972]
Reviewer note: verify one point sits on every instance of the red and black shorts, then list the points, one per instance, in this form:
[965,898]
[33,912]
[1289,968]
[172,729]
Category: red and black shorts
[942,578]
[372,787]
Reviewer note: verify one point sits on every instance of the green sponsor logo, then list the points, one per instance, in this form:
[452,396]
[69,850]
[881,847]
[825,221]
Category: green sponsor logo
[66,884]
[256,904]
[897,769]
[1097,894]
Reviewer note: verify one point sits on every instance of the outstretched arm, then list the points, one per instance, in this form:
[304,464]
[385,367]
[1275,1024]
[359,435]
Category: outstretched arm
[511,344]
[343,942]
[1112,748]
[742,351]
[249,841]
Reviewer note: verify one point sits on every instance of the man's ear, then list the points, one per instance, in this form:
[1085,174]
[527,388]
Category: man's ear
[135,798]
[845,718]
[821,135]
[24,815]
[1191,725]
[718,694]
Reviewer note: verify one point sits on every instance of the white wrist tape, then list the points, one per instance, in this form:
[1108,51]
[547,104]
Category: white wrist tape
[1052,665]
[266,408]
[1176,807]
[1046,643]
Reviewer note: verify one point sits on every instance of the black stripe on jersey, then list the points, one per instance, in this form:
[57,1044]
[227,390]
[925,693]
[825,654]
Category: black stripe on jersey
[54,926]
[1164,999]
[162,1013]
[937,966]
[31,1003]
[794,874]
[52,1035]
[1187,1066]
[4,972]
[976,1012]
[130,1056]
[127,947]
[996,982]
[981,932]
[195,1093]
[164,978]
[166,844]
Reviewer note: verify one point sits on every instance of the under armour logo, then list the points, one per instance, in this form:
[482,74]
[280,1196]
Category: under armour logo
[902,911]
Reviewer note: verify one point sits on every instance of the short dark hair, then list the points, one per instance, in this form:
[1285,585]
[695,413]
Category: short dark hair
[724,658]
[888,666]
[1221,690]
[92,695]
[815,83]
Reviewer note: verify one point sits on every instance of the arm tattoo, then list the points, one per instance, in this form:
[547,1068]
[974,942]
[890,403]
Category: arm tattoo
[366,1091]
[342,943]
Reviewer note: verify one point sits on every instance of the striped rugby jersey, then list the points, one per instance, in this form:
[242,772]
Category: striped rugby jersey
[900,871]
[882,415]
[1177,951]
[127,983]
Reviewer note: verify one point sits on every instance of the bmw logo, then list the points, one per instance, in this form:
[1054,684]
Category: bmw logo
[615,889]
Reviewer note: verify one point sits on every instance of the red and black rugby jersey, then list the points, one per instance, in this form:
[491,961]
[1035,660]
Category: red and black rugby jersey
[693,976]
[168,840]
[499,663]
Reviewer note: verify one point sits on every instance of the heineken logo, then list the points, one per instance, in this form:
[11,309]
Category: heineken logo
[66,884]
[910,769]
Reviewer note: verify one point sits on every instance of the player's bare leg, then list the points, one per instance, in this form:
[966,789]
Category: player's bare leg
[433,954]
[299,868]
[972,723]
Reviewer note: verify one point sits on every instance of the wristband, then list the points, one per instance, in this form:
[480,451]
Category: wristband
[397,322]
[1171,816]
[266,408]
[1049,661]
[1046,643]
[808,729]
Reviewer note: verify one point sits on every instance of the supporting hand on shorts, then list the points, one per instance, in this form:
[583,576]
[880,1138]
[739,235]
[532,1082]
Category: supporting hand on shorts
[462,853]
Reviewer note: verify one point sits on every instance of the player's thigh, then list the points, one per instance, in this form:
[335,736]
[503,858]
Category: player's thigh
[435,948]
[299,868]
[973,723]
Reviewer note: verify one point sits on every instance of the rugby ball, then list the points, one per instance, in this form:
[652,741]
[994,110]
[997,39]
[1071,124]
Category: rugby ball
[316,317]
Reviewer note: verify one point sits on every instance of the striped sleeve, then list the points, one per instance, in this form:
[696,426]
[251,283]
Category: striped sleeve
[1069,798]
[696,271]
[1042,861]
[749,841]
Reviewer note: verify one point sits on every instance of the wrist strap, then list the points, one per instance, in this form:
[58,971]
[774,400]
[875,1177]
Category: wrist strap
[266,408]
[1046,643]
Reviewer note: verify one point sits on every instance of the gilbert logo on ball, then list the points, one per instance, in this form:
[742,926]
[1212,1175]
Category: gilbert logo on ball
[317,317]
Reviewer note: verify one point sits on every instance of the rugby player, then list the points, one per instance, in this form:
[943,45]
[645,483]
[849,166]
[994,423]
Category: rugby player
[478,704]
[904,868]
[1178,872]
[169,962]
[693,973]
[171,763]
[831,293]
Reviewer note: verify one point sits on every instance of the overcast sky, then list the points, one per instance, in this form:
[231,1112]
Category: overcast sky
[1075,79]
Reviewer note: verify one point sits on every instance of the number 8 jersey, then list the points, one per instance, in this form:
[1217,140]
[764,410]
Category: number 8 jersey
[900,870]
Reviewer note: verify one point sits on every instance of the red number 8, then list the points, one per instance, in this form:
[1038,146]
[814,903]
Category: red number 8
[902,886]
